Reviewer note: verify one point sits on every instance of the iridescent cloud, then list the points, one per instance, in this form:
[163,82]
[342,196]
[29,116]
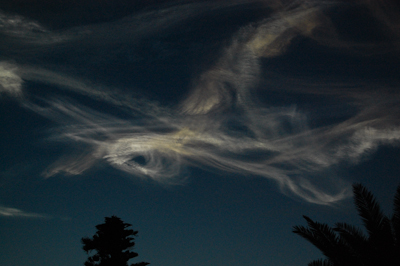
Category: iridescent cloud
[221,124]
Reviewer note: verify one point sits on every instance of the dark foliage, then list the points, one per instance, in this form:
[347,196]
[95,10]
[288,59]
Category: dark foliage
[112,243]
[346,245]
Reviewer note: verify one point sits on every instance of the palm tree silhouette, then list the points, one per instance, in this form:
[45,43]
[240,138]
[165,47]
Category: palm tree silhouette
[346,245]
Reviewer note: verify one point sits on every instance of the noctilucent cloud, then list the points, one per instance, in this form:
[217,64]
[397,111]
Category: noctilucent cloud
[298,95]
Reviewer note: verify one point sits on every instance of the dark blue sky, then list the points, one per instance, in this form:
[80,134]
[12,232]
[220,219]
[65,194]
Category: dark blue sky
[210,126]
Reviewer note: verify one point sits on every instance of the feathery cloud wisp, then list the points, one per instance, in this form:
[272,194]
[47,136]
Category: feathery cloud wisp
[17,213]
[222,124]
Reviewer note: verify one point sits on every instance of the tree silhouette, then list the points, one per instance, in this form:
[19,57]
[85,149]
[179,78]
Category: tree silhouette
[112,243]
[346,245]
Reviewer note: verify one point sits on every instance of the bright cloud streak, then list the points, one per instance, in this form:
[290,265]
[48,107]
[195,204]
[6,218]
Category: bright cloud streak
[17,213]
[220,125]
[10,81]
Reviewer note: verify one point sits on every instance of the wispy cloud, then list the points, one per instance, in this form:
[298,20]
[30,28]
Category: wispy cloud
[10,81]
[22,31]
[221,125]
[17,213]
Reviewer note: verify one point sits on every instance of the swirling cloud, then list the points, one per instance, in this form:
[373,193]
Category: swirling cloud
[223,124]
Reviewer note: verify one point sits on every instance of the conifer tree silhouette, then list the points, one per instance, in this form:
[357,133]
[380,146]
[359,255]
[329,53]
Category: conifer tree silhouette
[112,243]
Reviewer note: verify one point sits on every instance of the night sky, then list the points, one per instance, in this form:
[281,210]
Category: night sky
[210,126]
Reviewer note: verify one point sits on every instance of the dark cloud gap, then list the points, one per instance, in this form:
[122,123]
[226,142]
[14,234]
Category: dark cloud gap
[140,160]
[306,58]
[355,23]
[65,14]
[169,60]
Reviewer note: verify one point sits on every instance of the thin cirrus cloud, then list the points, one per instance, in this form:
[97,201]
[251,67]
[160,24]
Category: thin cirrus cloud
[17,213]
[220,125]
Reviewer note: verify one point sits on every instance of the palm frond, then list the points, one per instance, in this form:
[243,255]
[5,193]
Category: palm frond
[346,245]
[396,217]
[376,223]
[320,235]
[351,230]
[321,262]
[355,243]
